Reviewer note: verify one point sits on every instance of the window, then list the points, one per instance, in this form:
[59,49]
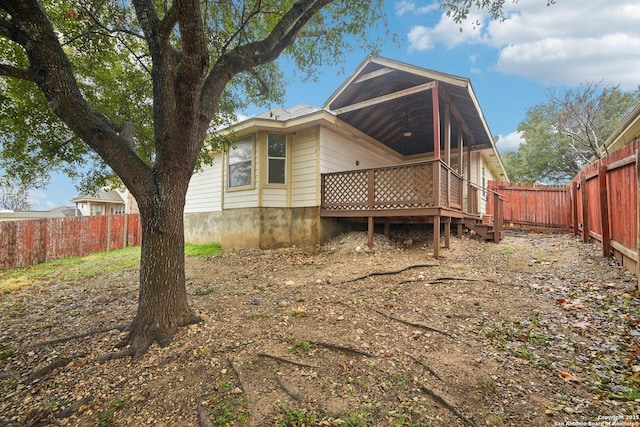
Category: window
[277,158]
[241,163]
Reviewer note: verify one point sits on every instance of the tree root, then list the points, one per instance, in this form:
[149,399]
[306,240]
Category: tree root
[342,348]
[290,389]
[384,273]
[448,405]
[282,359]
[66,413]
[116,355]
[203,418]
[78,336]
[58,363]
[444,279]
[416,325]
[424,365]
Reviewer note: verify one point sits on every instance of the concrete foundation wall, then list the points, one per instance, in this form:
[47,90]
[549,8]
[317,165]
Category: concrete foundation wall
[261,227]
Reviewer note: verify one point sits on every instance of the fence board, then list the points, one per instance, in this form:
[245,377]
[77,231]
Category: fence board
[24,243]
[532,205]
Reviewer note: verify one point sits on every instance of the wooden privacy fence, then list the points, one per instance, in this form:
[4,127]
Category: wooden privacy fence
[30,242]
[604,203]
[532,206]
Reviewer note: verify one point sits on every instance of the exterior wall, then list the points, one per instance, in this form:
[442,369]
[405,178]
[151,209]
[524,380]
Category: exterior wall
[480,176]
[338,153]
[261,227]
[205,189]
[305,179]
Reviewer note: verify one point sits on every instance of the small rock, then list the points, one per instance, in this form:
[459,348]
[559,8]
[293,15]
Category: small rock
[548,412]
[255,301]
[236,390]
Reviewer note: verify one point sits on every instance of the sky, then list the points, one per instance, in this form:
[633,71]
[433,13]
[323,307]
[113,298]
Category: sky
[512,64]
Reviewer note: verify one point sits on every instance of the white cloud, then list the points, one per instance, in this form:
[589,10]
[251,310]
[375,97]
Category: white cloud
[511,141]
[570,42]
[410,7]
[446,31]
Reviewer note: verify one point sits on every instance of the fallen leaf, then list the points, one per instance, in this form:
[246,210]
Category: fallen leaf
[568,376]
[631,320]
[583,324]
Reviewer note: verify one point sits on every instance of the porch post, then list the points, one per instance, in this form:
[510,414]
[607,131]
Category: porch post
[460,151]
[447,134]
[370,229]
[436,121]
[447,149]
[470,204]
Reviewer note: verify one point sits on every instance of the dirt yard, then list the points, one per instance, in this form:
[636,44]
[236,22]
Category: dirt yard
[537,330]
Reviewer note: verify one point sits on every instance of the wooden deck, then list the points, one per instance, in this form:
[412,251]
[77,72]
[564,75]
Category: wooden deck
[425,192]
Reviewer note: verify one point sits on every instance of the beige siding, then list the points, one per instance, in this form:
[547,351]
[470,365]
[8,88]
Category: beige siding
[304,169]
[338,153]
[205,188]
[274,197]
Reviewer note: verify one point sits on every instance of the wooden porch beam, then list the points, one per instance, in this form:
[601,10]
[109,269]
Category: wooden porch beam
[374,74]
[385,98]
[459,117]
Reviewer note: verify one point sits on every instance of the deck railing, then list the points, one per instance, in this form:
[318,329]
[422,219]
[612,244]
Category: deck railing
[392,188]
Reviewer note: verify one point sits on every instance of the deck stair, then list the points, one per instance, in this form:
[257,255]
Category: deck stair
[483,227]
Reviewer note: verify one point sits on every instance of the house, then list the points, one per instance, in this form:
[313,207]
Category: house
[105,203]
[374,153]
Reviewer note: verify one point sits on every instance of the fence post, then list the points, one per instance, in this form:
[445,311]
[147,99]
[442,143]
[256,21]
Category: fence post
[585,209]
[574,207]
[604,211]
[638,214]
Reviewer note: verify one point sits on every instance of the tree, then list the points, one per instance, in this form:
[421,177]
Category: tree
[13,196]
[136,86]
[567,132]
[139,84]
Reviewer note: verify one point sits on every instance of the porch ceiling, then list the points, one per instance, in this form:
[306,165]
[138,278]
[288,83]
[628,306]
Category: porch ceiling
[389,100]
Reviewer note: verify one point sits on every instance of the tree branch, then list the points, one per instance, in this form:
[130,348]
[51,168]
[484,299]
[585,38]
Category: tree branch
[14,72]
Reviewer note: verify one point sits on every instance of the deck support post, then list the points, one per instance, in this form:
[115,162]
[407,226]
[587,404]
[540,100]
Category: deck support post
[436,236]
[447,232]
[370,229]
[460,229]
[387,229]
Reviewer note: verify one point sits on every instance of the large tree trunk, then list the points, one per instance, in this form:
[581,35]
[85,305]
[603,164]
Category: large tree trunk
[162,301]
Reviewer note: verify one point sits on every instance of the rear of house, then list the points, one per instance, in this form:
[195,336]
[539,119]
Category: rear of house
[266,190]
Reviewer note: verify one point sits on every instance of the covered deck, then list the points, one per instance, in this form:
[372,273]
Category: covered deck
[432,125]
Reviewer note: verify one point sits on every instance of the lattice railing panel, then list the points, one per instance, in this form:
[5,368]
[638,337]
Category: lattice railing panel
[401,187]
[456,189]
[444,185]
[345,191]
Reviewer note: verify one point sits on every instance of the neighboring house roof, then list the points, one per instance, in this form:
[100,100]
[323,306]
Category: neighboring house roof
[627,132]
[101,197]
[23,215]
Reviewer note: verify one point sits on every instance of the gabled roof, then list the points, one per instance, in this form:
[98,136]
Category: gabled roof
[387,99]
[101,197]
